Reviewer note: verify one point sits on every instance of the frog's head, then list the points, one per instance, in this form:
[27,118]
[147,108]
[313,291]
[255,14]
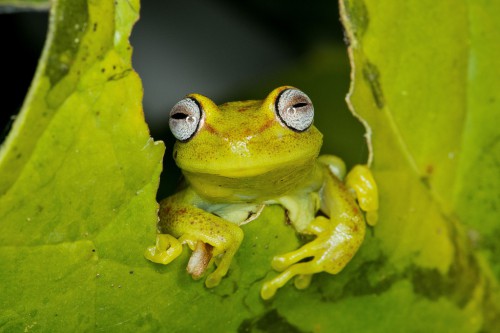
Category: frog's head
[245,139]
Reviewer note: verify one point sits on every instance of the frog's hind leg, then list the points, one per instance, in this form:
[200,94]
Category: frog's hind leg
[291,265]
[303,270]
[329,237]
[329,252]
[338,237]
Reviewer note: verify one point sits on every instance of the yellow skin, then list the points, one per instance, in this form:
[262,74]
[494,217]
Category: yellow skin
[241,158]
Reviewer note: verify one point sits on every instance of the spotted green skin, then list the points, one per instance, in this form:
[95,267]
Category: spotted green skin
[243,158]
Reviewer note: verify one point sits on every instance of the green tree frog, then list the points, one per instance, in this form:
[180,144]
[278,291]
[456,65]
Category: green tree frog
[239,157]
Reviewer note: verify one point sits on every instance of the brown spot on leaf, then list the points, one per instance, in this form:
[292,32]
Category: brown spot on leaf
[287,218]
[429,169]
[371,75]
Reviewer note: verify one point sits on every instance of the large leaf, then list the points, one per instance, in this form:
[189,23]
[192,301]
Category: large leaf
[476,194]
[426,83]
[79,173]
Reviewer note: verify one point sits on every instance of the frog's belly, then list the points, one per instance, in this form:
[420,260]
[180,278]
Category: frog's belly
[270,185]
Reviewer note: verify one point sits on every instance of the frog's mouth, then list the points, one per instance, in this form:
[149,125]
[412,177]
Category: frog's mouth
[254,168]
[260,160]
[252,183]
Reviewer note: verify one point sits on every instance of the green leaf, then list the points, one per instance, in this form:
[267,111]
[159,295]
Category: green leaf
[477,190]
[79,175]
[425,82]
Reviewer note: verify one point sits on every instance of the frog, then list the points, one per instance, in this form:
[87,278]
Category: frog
[239,157]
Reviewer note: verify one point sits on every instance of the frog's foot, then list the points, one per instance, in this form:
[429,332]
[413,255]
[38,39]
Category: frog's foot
[334,164]
[221,248]
[329,252]
[300,270]
[166,249]
[223,254]
[217,249]
[360,180]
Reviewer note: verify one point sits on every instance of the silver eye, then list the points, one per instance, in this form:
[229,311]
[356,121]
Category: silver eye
[185,119]
[295,109]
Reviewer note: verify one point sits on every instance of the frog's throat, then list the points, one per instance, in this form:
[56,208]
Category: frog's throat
[251,186]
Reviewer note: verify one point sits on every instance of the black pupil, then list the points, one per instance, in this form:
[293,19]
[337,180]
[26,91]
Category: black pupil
[299,105]
[179,115]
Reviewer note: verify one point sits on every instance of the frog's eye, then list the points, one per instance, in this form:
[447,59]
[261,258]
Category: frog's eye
[185,119]
[295,109]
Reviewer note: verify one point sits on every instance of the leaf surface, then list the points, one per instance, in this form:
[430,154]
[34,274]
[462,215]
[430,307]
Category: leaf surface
[419,84]
[79,173]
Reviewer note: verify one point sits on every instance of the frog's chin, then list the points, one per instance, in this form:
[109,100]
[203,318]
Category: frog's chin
[235,184]
[243,169]
[243,172]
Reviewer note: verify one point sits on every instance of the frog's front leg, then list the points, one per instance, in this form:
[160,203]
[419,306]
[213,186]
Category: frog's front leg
[209,237]
[337,238]
[360,181]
